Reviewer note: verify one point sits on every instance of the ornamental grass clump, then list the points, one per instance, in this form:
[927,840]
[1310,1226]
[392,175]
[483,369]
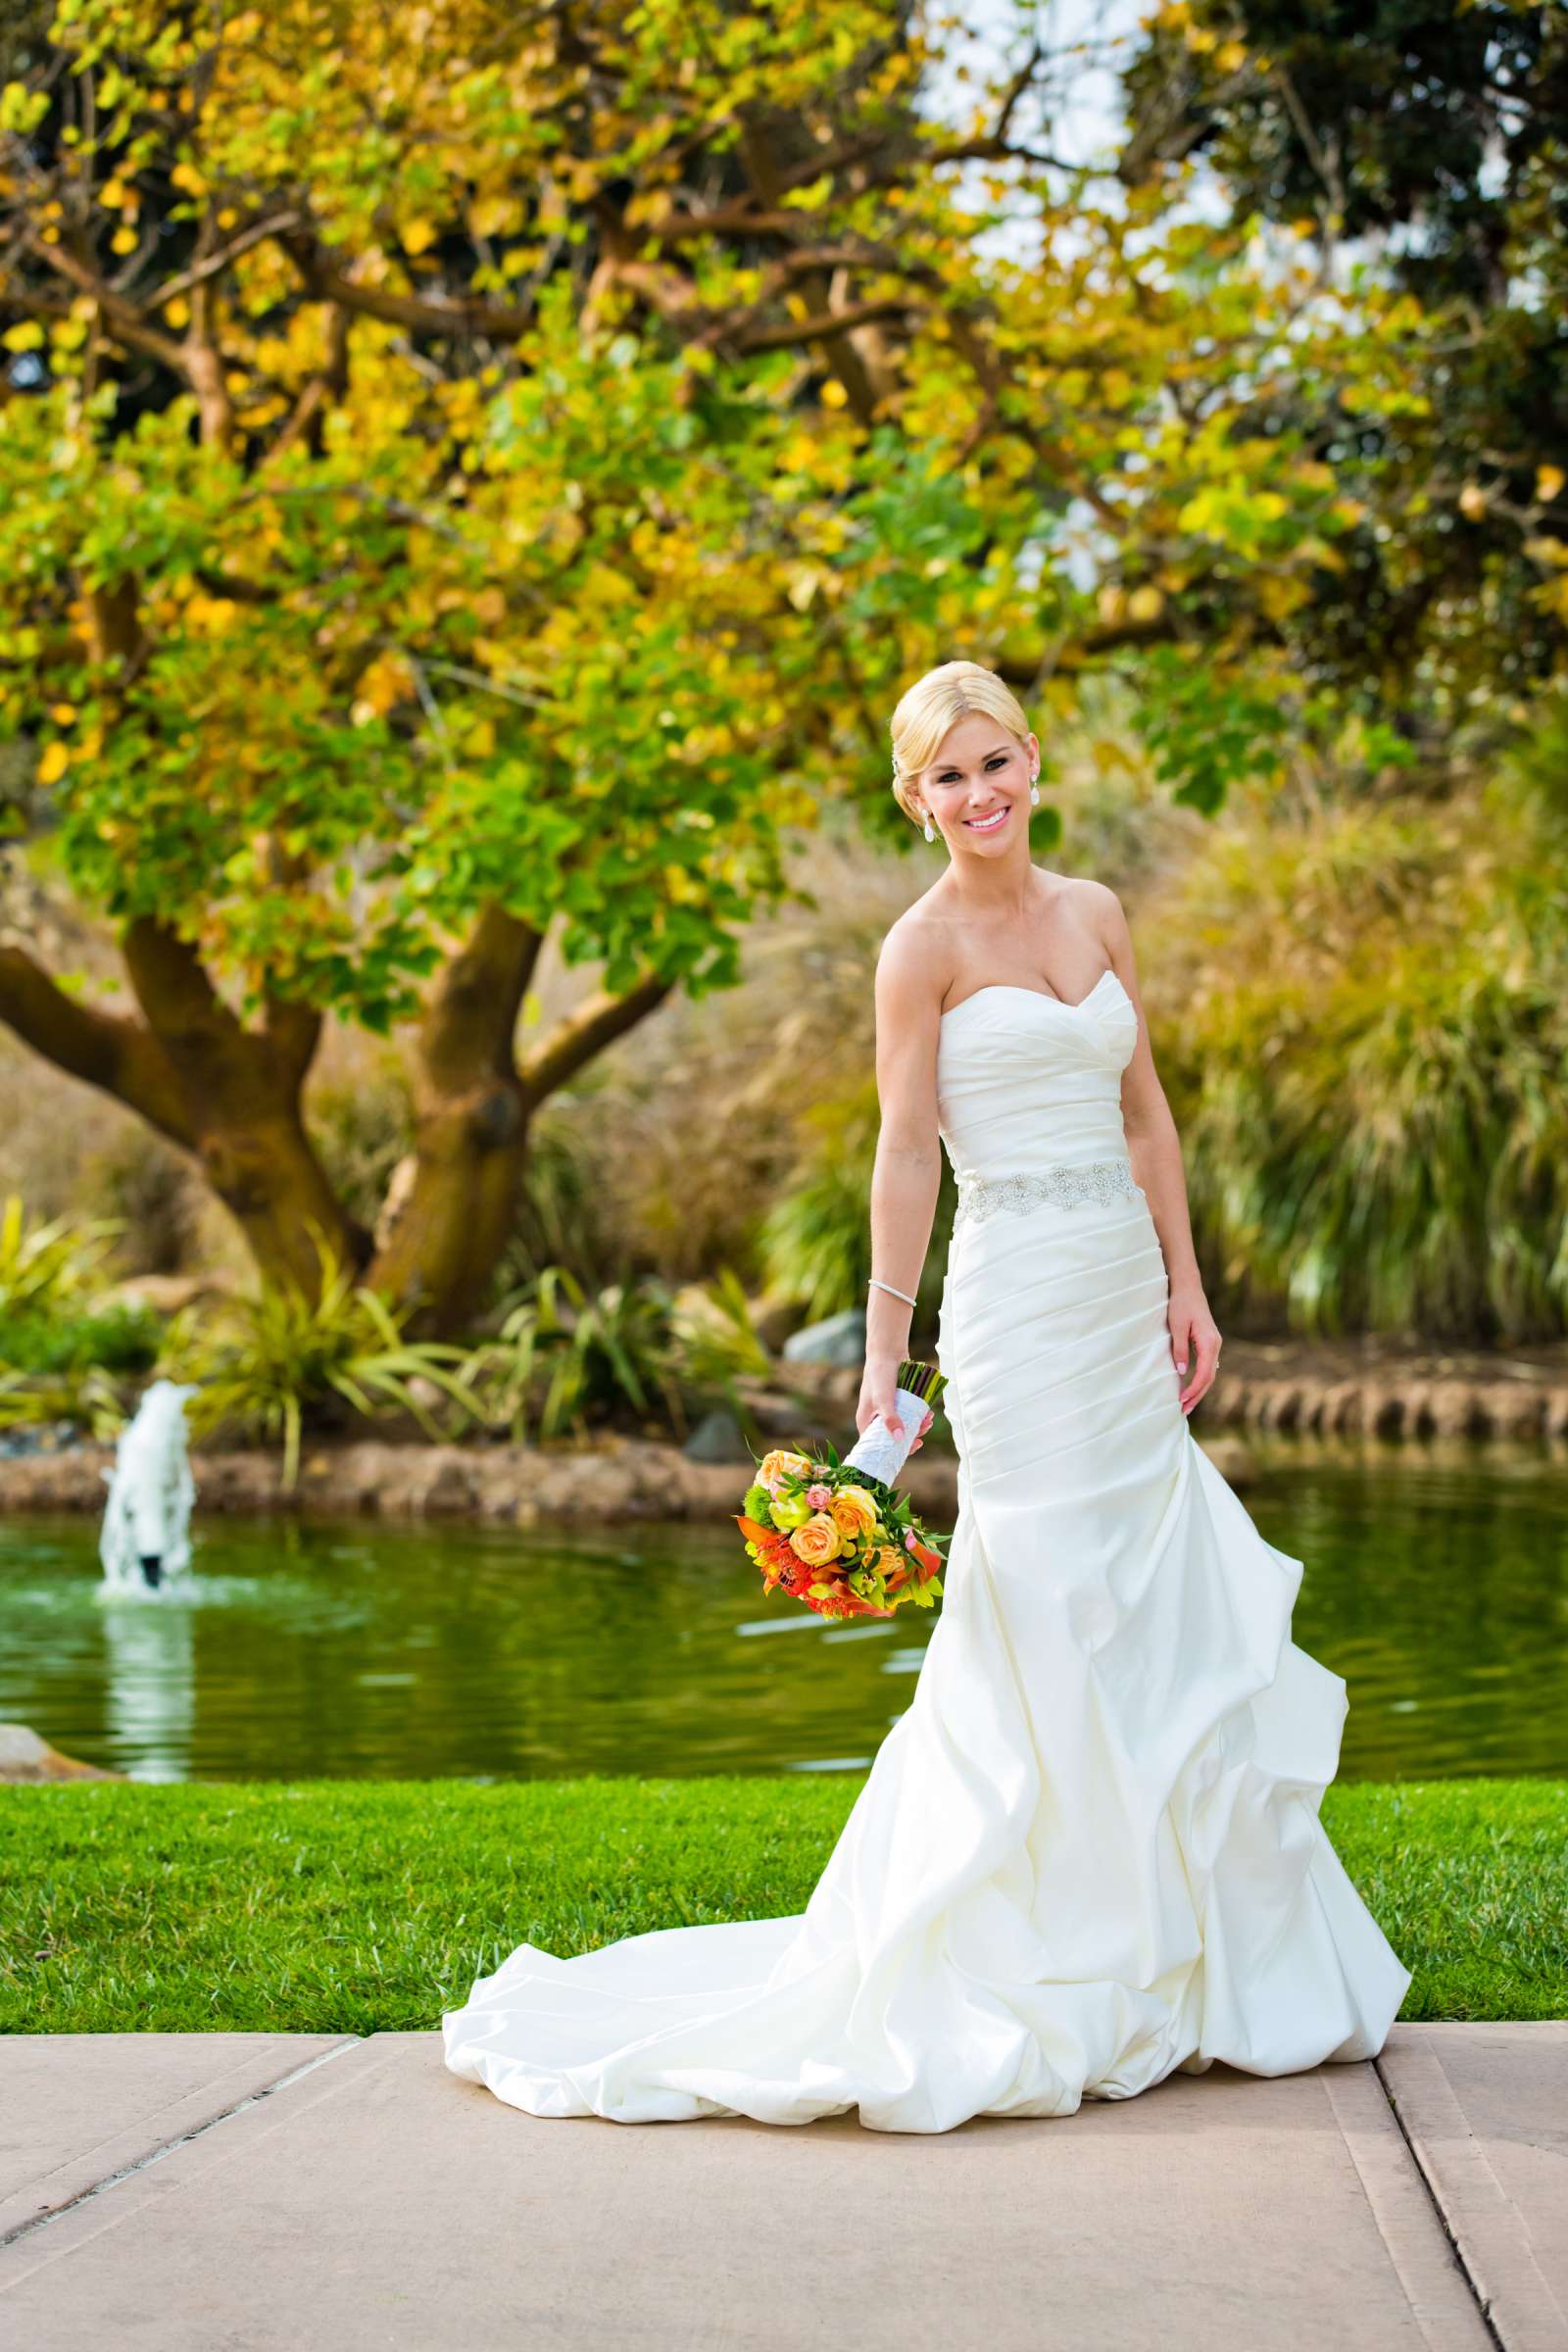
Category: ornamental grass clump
[45,1266]
[565,1358]
[265,1364]
[67,1354]
[1364,1059]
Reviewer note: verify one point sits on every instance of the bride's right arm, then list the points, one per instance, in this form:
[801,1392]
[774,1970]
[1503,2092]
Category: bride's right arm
[909,1163]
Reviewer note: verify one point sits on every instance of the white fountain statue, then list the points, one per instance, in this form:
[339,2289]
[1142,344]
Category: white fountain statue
[145,1543]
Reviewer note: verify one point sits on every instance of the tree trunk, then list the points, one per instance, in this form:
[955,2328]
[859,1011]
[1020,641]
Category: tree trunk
[227,1095]
[230,1096]
[453,1203]
[262,1167]
[241,1089]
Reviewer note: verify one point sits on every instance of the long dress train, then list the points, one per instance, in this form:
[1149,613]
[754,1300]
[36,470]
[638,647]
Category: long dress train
[1089,1851]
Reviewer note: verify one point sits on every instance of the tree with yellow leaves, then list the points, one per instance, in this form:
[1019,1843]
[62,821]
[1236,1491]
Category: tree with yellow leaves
[476,475]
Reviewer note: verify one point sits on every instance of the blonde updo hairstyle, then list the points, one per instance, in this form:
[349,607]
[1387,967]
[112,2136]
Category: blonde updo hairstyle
[933,707]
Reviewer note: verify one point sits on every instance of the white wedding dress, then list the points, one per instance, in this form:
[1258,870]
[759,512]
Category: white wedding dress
[1089,1851]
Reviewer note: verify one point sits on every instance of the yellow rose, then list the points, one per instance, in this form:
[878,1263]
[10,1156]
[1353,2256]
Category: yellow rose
[780,1464]
[853,1513]
[817,1541]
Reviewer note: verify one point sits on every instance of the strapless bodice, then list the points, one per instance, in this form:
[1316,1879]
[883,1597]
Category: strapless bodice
[1027,1082]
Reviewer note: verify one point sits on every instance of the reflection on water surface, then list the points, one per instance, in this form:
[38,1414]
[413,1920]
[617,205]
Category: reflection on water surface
[1439,1591]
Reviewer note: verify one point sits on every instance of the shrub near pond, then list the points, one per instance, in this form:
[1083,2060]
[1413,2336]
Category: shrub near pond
[120,1337]
[563,1361]
[48,1267]
[567,1358]
[1363,1038]
[68,1351]
[262,1365]
[268,1366]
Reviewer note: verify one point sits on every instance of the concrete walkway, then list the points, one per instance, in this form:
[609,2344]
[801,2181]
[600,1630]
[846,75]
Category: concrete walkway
[191,2192]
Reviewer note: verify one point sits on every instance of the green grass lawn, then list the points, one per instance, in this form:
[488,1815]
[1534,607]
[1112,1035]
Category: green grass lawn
[333,1906]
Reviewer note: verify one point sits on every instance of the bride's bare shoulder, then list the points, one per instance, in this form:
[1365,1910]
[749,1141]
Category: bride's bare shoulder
[914,959]
[1094,905]
[1077,891]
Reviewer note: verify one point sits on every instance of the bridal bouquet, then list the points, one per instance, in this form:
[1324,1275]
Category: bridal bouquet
[833,1533]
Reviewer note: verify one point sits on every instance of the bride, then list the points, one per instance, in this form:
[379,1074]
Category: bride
[1089,1852]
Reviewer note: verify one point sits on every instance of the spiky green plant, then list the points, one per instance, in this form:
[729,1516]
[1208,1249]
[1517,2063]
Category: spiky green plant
[564,1357]
[46,1265]
[59,1352]
[264,1362]
[84,1394]
[715,1339]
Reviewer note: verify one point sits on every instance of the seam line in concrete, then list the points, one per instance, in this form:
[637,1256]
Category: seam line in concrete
[183,2140]
[1492,2235]
[1429,2275]
[1481,2302]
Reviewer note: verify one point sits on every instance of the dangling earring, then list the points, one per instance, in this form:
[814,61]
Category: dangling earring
[1034,794]
[930,832]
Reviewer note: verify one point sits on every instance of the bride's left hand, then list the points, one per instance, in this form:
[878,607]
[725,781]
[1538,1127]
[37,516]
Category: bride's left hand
[1192,1327]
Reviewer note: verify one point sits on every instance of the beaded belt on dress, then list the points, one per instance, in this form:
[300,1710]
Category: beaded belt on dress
[1070,1184]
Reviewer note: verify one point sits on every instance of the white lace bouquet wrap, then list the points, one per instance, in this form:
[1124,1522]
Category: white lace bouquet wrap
[879,1454]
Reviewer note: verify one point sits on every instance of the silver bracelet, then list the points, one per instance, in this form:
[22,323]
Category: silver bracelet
[892,1293]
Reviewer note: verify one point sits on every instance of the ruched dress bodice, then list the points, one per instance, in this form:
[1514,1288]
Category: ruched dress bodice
[1026,1081]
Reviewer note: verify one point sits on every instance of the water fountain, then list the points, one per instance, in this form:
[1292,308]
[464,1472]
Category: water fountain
[145,1543]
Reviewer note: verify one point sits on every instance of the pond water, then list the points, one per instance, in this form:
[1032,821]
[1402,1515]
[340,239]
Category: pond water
[1439,1591]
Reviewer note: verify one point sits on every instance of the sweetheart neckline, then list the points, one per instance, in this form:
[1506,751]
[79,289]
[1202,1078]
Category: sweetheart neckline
[1014,988]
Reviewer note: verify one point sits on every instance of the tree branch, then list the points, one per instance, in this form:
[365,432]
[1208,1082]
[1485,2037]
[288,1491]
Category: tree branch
[205,371]
[113,624]
[842,354]
[120,318]
[277,224]
[420,316]
[330,382]
[813,330]
[119,1055]
[293,1031]
[228,584]
[575,1040]
[466,1038]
